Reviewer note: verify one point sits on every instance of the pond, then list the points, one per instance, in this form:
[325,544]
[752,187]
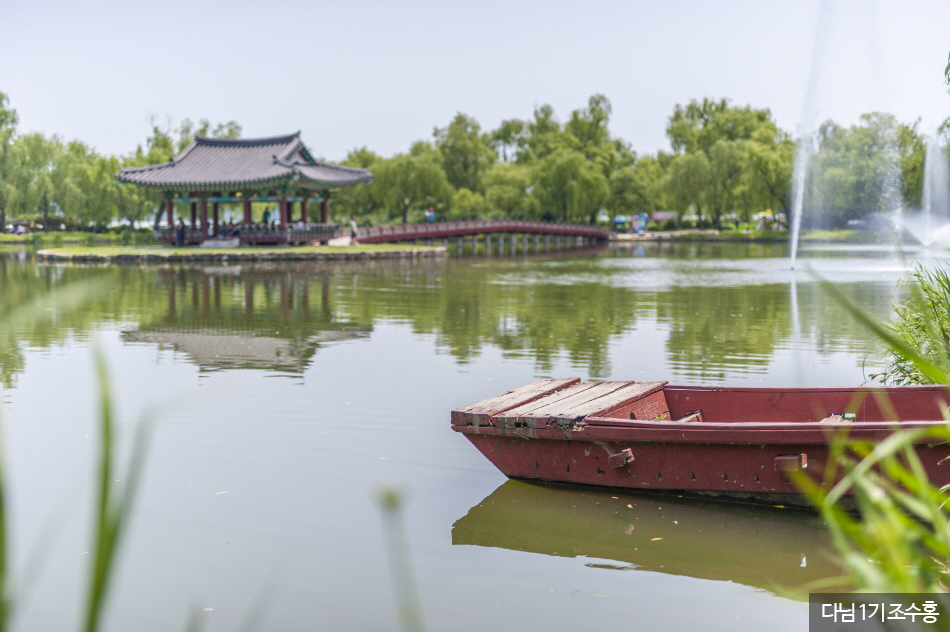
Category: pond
[287,396]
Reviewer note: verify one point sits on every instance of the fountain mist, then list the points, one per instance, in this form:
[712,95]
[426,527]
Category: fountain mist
[806,127]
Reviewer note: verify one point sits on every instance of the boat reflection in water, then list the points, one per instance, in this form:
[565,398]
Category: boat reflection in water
[773,548]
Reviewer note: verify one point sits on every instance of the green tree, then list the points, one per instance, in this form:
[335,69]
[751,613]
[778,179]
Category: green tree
[638,188]
[727,164]
[508,189]
[912,148]
[35,157]
[510,139]
[361,201]
[412,181]
[467,205]
[8,123]
[856,170]
[749,158]
[688,180]
[768,176]
[466,153]
[571,186]
[188,130]
[697,126]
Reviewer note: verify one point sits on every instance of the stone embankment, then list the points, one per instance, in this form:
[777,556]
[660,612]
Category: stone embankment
[236,256]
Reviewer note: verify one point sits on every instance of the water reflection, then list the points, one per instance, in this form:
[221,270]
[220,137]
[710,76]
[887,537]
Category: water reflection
[701,313]
[261,318]
[779,550]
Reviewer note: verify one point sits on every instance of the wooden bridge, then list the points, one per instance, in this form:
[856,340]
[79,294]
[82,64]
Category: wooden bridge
[430,231]
[562,235]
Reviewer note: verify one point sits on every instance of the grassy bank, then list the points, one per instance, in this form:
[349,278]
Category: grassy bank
[58,238]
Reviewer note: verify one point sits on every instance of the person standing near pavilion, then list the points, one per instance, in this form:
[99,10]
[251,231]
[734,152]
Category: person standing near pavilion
[180,233]
[353,228]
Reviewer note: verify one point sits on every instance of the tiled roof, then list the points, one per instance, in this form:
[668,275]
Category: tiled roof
[218,163]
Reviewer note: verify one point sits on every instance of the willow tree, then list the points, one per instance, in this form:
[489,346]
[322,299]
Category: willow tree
[8,122]
[571,186]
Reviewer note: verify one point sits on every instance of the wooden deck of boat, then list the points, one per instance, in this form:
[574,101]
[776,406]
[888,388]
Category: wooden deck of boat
[559,402]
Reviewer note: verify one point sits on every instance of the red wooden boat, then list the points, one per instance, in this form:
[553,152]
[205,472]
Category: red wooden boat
[721,440]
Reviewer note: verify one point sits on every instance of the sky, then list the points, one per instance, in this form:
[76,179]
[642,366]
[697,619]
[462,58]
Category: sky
[379,74]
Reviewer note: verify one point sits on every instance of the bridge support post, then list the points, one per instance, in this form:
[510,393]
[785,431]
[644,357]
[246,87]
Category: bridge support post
[524,243]
[514,244]
[461,246]
[537,242]
[547,243]
[488,245]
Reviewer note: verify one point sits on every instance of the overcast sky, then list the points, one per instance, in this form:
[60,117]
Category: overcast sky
[384,74]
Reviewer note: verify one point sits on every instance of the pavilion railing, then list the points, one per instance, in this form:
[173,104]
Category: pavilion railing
[254,234]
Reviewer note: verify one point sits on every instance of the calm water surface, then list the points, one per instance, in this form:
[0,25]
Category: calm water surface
[287,396]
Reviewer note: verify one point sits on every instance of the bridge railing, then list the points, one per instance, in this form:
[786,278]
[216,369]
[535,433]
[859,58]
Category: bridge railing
[432,230]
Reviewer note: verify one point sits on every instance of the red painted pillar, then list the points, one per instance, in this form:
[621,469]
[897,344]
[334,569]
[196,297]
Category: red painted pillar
[303,210]
[247,211]
[204,218]
[170,212]
[194,216]
[324,211]
[215,219]
[290,212]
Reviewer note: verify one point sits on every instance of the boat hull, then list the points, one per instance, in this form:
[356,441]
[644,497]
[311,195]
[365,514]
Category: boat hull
[547,431]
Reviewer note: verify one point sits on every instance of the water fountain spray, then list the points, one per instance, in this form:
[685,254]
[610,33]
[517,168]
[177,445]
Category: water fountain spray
[806,127]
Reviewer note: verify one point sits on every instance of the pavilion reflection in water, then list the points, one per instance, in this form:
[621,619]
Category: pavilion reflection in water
[247,317]
[779,550]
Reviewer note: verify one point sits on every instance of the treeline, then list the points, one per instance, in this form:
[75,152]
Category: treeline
[726,161]
[53,182]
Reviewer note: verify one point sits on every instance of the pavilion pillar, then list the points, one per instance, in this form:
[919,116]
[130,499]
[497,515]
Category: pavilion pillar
[170,212]
[194,216]
[215,219]
[303,210]
[204,217]
[324,210]
[283,213]
[247,211]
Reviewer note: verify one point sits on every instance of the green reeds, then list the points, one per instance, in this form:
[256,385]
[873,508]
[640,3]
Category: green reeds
[113,502]
[923,324]
[899,539]
[397,542]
